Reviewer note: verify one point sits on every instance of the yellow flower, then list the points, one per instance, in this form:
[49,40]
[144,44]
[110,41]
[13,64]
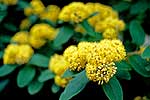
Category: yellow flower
[25,24]
[101,73]
[62,82]
[75,60]
[9,2]
[51,13]
[113,50]
[75,12]
[10,54]
[28,11]
[24,54]
[37,6]
[58,64]
[43,31]
[17,54]
[110,33]
[20,37]
[36,42]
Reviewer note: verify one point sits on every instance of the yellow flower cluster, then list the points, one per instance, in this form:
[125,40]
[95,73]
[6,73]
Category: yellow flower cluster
[74,58]
[39,33]
[36,7]
[96,57]
[106,20]
[59,65]
[9,2]
[37,36]
[75,12]
[17,54]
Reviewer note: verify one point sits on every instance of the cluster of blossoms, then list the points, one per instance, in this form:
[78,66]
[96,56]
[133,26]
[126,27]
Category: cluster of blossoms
[9,2]
[58,65]
[97,58]
[17,54]
[106,20]
[37,35]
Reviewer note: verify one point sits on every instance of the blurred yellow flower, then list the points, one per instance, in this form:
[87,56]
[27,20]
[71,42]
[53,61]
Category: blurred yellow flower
[20,37]
[25,24]
[9,2]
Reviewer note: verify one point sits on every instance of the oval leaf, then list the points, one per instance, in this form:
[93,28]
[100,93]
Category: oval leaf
[55,88]
[3,84]
[46,75]
[39,60]
[139,65]
[65,33]
[123,74]
[7,69]
[75,86]
[68,73]
[137,33]
[25,76]
[123,65]
[146,53]
[113,89]
[34,87]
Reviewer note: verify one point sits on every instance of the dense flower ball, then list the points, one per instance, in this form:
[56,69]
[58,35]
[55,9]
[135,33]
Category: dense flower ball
[20,37]
[51,13]
[101,73]
[25,24]
[75,60]
[17,54]
[58,64]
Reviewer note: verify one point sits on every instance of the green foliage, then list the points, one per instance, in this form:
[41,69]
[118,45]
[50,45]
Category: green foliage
[55,88]
[139,65]
[64,34]
[3,12]
[146,53]
[113,89]
[1,54]
[25,76]
[137,33]
[68,73]
[122,6]
[73,88]
[3,84]
[7,69]
[34,87]
[45,75]
[39,60]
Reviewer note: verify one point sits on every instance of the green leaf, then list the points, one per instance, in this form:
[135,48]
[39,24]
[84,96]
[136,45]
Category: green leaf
[123,74]
[39,60]
[113,89]
[3,14]
[1,54]
[121,6]
[5,38]
[3,84]
[123,65]
[7,69]
[75,86]
[22,4]
[25,76]
[146,53]
[33,18]
[147,67]
[139,7]
[10,27]
[139,65]
[68,73]
[137,33]
[45,75]
[90,31]
[55,88]
[65,33]
[34,87]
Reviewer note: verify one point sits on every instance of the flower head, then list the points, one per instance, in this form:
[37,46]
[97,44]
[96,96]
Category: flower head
[101,73]
[73,57]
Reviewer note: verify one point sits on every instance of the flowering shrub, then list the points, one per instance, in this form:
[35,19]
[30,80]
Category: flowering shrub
[73,45]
